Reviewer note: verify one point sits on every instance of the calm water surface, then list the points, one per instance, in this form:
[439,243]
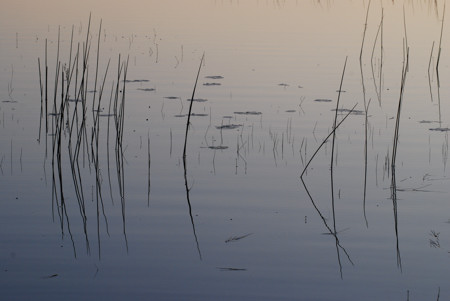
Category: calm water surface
[106,208]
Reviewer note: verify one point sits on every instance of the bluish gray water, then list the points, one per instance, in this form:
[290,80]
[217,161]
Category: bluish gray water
[236,221]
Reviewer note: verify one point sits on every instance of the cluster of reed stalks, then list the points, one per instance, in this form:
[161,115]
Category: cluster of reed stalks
[67,122]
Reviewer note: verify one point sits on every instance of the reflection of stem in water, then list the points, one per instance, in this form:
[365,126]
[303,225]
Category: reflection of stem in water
[445,151]
[190,208]
[366,122]
[330,231]
[148,169]
[11,155]
[46,97]
[170,150]
[395,209]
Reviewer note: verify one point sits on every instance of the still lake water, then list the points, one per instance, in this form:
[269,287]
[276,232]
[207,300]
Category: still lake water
[127,219]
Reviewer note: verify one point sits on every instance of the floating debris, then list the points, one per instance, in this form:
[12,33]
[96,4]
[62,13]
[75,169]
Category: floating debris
[354,112]
[248,113]
[440,129]
[179,115]
[198,99]
[283,85]
[146,89]
[50,276]
[232,269]
[212,84]
[219,147]
[290,111]
[341,91]
[428,121]
[9,101]
[136,80]
[322,100]
[199,114]
[228,126]
[214,76]
[172,97]
[300,87]
[235,238]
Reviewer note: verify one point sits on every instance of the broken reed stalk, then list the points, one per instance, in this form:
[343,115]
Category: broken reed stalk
[325,140]
[188,122]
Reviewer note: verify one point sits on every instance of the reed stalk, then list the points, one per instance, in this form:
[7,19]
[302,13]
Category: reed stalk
[188,122]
